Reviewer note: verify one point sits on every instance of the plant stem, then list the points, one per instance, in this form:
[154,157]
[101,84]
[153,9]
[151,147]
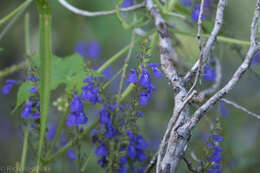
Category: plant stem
[123,76]
[219,38]
[45,69]
[12,69]
[25,146]
[27,34]
[58,132]
[15,11]
[121,52]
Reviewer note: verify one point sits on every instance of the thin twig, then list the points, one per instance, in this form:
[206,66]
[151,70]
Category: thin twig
[123,76]
[152,163]
[211,40]
[200,48]
[190,166]
[100,13]
[257,116]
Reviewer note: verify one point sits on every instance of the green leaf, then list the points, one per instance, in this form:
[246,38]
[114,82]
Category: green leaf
[23,93]
[69,71]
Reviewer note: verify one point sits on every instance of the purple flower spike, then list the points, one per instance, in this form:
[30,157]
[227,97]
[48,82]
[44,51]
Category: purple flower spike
[209,73]
[132,77]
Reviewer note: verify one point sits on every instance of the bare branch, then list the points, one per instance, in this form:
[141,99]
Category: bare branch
[100,13]
[257,116]
[236,76]
[212,39]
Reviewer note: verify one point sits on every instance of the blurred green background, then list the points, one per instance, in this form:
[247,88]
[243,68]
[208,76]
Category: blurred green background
[241,132]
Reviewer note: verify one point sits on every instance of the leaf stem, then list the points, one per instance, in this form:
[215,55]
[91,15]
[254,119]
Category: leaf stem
[25,146]
[14,12]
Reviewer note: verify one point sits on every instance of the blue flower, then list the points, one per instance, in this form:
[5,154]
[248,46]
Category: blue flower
[157,73]
[31,110]
[216,168]
[81,48]
[101,150]
[145,79]
[140,114]
[127,3]
[76,118]
[108,73]
[32,78]
[140,142]
[122,170]
[71,154]
[217,138]
[88,79]
[76,104]
[90,93]
[104,116]
[110,131]
[196,13]
[256,59]
[51,132]
[207,4]
[93,49]
[209,73]
[8,87]
[141,156]
[132,77]
[76,115]
[131,151]
[186,3]
[216,157]
[123,160]
[144,97]
[33,89]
